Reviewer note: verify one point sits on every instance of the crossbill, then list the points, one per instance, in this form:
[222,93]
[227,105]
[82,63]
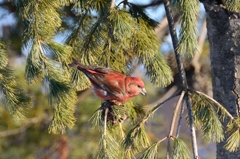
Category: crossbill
[111,85]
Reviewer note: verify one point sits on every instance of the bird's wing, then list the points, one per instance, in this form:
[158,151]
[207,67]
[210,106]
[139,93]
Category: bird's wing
[109,80]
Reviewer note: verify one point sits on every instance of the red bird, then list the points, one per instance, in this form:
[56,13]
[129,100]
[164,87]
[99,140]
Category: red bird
[111,85]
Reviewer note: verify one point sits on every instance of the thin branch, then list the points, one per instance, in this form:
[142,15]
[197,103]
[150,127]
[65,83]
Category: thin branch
[105,133]
[180,118]
[122,132]
[182,75]
[112,3]
[21,129]
[214,101]
[158,106]
[144,119]
[176,110]
[162,140]
[166,95]
[191,124]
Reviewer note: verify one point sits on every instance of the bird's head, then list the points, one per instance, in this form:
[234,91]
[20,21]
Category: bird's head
[137,87]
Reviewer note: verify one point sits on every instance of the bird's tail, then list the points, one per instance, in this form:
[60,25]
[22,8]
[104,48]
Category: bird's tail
[74,63]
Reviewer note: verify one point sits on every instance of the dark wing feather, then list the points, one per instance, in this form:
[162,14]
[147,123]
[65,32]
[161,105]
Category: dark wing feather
[102,77]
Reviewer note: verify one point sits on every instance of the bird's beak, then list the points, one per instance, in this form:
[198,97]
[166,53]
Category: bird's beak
[143,92]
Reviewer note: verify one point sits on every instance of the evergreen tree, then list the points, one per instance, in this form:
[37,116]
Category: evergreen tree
[120,35]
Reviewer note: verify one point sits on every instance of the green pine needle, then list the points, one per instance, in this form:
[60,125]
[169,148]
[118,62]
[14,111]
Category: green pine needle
[97,118]
[206,117]
[62,52]
[109,148]
[62,118]
[232,5]
[42,17]
[136,138]
[62,99]
[188,42]
[3,55]
[180,149]
[233,130]
[122,23]
[79,80]
[12,96]
[150,152]
[34,65]
[138,12]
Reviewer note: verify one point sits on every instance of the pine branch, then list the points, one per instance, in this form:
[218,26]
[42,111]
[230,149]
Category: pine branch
[176,110]
[21,129]
[182,76]
[131,141]
[112,4]
[180,118]
[105,133]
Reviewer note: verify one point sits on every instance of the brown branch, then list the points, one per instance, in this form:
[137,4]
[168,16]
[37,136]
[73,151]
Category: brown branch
[112,4]
[105,133]
[20,129]
[176,110]
[180,118]
[182,75]
[162,140]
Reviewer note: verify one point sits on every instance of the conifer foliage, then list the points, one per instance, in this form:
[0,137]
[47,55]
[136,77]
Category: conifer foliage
[119,36]
[115,37]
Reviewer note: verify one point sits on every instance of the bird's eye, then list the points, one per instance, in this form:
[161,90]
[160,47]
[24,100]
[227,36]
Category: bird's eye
[139,86]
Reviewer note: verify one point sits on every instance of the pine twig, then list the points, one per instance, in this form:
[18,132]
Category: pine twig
[159,141]
[182,74]
[105,133]
[146,117]
[122,132]
[180,118]
[21,129]
[112,3]
[173,122]
[158,106]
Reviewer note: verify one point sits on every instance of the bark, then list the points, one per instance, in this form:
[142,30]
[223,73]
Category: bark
[224,38]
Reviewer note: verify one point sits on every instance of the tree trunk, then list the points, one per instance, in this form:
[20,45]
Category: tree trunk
[224,38]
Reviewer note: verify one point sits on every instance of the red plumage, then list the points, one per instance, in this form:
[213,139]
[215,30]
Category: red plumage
[111,85]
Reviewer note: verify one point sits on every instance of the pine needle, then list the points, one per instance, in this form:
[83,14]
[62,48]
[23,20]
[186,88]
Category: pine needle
[206,117]
[232,5]
[180,149]
[11,94]
[188,32]
[34,65]
[150,152]
[111,151]
[233,130]
[96,118]
[136,138]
